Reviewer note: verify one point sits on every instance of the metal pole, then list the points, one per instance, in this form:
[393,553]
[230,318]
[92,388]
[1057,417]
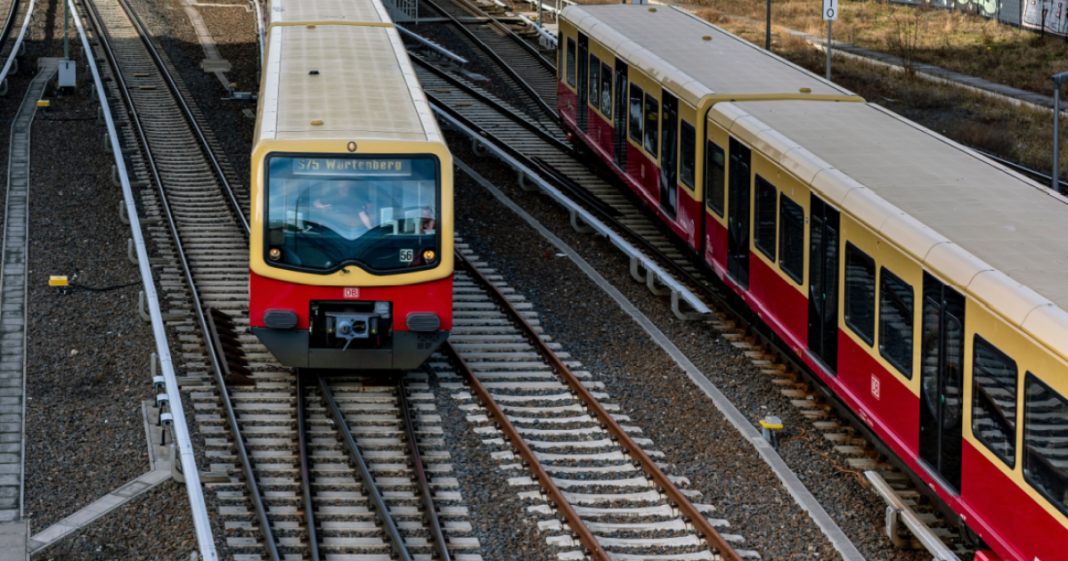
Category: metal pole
[1058,81]
[767,33]
[66,32]
[829,50]
[1056,136]
[540,22]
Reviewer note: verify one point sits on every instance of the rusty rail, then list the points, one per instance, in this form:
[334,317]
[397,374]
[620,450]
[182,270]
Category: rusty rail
[690,514]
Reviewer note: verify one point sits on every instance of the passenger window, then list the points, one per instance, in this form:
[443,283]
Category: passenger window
[860,293]
[895,322]
[688,161]
[1045,464]
[715,177]
[652,118]
[636,114]
[792,238]
[570,61]
[764,236]
[560,54]
[994,400]
[595,81]
[606,90]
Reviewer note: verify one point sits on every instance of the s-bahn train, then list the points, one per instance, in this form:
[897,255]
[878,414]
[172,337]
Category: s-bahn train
[352,197]
[923,284]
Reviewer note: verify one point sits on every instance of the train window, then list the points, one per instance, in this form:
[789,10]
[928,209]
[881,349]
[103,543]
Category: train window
[765,208]
[595,81]
[652,119]
[791,238]
[636,114]
[559,53]
[994,400]
[571,61]
[860,293]
[1045,465]
[895,321]
[688,161]
[715,177]
[326,211]
[606,90]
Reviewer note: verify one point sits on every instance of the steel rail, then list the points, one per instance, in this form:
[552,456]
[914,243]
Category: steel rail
[9,23]
[427,43]
[421,477]
[302,434]
[378,503]
[511,114]
[191,473]
[146,38]
[231,417]
[641,460]
[554,495]
[531,163]
[261,24]
[504,66]
[614,237]
[12,56]
[508,31]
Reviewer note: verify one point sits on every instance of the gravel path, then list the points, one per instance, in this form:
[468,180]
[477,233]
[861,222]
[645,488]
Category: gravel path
[677,416]
[88,352]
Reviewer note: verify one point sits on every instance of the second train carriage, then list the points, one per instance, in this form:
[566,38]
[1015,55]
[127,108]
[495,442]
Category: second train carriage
[352,242]
[920,282]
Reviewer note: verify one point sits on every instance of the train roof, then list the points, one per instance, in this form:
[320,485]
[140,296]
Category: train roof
[984,227]
[668,44]
[342,81]
[345,11]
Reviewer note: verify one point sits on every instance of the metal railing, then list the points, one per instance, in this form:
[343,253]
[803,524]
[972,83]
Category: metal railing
[653,271]
[18,41]
[897,511]
[427,43]
[190,471]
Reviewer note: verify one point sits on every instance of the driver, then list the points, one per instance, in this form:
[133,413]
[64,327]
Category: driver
[345,198]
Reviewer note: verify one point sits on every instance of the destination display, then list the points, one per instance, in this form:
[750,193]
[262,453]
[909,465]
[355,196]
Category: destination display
[351,167]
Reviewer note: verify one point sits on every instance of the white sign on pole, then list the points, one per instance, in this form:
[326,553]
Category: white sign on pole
[830,10]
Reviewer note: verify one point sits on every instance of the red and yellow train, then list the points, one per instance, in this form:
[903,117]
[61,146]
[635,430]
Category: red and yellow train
[352,242]
[920,282]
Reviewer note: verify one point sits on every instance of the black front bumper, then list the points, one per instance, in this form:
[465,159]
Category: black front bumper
[409,350]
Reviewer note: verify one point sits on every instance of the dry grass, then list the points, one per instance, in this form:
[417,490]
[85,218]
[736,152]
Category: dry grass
[962,42]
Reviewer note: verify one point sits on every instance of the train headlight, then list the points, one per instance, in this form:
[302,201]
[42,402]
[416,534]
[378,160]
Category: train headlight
[275,254]
[428,256]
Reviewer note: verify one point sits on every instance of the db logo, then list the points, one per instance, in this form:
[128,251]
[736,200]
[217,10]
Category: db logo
[875,386]
[352,293]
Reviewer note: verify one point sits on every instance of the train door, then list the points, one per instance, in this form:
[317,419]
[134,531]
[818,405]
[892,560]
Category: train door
[942,381]
[621,113]
[583,80]
[823,283]
[669,153]
[739,193]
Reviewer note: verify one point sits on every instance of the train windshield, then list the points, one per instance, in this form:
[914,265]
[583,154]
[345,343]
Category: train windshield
[380,213]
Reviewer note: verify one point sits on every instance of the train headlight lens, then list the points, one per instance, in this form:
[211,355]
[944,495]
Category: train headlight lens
[275,254]
[428,256]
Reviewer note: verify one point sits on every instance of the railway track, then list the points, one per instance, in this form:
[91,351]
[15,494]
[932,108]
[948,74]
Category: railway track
[524,69]
[598,492]
[286,477]
[499,123]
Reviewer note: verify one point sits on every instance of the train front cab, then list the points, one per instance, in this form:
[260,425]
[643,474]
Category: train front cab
[647,133]
[350,314]
[924,361]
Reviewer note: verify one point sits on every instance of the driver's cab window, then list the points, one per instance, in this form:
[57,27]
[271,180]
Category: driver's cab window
[325,212]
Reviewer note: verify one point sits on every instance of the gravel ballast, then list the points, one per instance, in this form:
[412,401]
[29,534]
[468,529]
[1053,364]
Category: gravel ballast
[678,417]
